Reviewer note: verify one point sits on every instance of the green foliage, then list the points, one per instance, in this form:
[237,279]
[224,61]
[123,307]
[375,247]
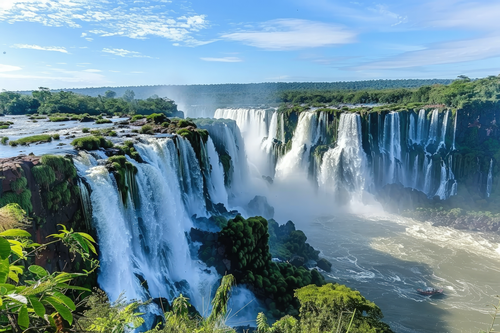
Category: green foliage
[124,172]
[179,319]
[103,121]
[157,118]
[31,139]
[19,184]
[3,140]
[12,216]
[91,143]
[246,242]
[85,130]
[58,118]
[105,317]
[34,299]
[285,242]
[136,117]
[322,308]
[147,129]
[62,166]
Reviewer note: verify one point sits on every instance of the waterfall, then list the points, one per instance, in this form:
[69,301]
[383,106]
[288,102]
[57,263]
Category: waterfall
[415,173]
[433,128]
[257,126]
[144,243]
[86,203]
[305,136]
[421,127]
[489,181]
[427,179]
[441,191]
[390,147]
[283,128]
[442,142]
[344,168]
[413,129]
[216,188]
[455,130]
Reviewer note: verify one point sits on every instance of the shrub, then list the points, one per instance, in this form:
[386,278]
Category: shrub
[58,118]
[31,139]
[4,140]
[60,164]
[44,175]
[157,118]
[147,129]
[103,121]
[91,143]
[55,136]
[19,184]
[136,117]
[85,130]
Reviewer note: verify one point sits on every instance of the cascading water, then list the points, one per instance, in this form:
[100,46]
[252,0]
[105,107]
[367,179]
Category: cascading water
[489,182]
[216,188]
[144,242]
[259,129]
[344,168]
[296,161]
[433,128]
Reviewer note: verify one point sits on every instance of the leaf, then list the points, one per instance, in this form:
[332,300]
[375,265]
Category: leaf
[37,306]
[18,251]
[4,248]
[15,233]
[63,277]
[90,246]
[62,309]
[37,270]
[13,276]
[4,270]
[65,300]
[23,319]
[87,236]
[67,286]
[81,241]
[18,298]
[9,287]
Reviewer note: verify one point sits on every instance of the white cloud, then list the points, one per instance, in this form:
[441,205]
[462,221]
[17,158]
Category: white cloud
[292,34]
[444,53]
[125,53]
[41,48]
[8,68]
[137,20]
[224,59]
[92,70]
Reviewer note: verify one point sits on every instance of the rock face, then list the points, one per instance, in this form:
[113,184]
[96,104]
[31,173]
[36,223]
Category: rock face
[260,207]
[396,198]
[50,195]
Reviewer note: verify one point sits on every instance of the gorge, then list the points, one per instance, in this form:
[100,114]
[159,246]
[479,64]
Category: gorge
[331,170]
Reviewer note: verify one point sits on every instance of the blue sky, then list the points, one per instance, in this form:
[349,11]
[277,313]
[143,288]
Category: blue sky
[85,43]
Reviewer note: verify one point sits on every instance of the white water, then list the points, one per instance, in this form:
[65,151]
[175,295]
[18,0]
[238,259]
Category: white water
[258,128]
[344,168]
[216,188]
[147,238]
[295,163]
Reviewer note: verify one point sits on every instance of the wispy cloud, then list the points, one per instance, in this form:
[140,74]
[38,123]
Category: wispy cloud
[9,68]
[92,70]
[125,53]
[41,48]
[292,34]
[442,53]
[137,19]
[224,59]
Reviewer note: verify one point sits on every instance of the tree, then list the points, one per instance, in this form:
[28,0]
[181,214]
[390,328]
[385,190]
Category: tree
[109,94]
[128,95]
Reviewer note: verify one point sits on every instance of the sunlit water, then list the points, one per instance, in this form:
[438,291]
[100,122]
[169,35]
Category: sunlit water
[388,258]
[67,130]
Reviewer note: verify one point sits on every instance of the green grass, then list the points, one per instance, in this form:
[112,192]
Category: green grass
[31,139]
[91,143]
[103,121]
[4,140]
[58,119]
